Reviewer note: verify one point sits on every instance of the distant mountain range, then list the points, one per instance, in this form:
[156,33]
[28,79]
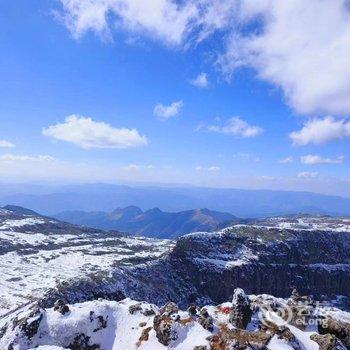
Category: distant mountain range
[105,197]
[151,223]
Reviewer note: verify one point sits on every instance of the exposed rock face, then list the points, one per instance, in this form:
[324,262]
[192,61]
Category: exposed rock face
[169,309]
[162,325]
[339,329]
[239,339]
[282,332]
[241,312]
[192,310]
[328,342]
[264,260]
[82,342]
[61,307]
[134,308]
[206,320]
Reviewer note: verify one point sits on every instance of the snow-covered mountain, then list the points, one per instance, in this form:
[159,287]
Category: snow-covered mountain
[39,253]
[259,259]
[43,260]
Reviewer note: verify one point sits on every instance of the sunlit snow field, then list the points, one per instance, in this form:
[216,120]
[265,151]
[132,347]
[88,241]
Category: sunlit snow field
[32,262]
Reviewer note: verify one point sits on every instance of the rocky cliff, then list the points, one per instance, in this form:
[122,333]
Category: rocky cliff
[260,260]
[265,260]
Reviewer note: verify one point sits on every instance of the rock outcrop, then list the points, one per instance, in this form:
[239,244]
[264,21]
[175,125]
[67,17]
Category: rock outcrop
[127,324]
[241,312]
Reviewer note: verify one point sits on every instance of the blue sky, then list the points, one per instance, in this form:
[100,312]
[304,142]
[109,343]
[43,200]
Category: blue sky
[232,129]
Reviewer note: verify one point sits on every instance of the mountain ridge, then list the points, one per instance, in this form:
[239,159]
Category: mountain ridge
[152,223]
[242,203]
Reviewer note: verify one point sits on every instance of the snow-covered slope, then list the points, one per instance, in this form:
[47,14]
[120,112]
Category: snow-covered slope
[306,222]
[254,322]
[39,253]
[258,259]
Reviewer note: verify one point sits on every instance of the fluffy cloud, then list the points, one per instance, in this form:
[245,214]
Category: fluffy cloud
[6,144]
[313,159]
[292,48]
[87,134]
[287,160]
[318,131]
[25,158]
[166,112]
[307,175]
[296,51]
[162,19]
[236,127]
[201,81]
[174,23]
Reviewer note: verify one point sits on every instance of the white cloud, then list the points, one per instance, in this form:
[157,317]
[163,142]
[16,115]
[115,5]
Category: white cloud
[162,19]
[318,131]
[313,159]
[166,112]
[26,158]
[201,81]
[266,178]
[132,167]
[6,144]
[86,133]
[287,160]
[246,157]
[292,48]
[212,168]
[302,47]
[172,22]
[236,127]
[307,175]
[138,167]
